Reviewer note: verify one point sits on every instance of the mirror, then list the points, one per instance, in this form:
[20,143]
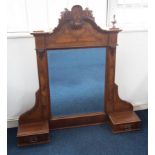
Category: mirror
[76,80]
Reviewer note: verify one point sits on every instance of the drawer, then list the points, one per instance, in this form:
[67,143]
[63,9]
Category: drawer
[124,121]
[33,139]
[125,127]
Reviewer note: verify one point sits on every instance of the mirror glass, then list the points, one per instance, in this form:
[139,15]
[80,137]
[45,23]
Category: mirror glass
[77,80]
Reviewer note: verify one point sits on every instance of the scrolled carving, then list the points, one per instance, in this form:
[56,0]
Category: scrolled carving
[76,16]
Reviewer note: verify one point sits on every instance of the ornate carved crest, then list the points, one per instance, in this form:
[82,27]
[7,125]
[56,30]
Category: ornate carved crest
[76,16]
[76,28]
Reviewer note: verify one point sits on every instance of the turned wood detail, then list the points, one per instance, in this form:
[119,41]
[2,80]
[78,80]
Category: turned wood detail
[76,28]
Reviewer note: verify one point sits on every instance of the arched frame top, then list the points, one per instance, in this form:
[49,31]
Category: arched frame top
[76,28]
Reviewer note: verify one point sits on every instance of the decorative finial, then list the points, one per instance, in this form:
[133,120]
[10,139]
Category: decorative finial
[113,28]
[114,22]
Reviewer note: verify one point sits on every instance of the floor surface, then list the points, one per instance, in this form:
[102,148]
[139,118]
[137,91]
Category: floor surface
[92,140]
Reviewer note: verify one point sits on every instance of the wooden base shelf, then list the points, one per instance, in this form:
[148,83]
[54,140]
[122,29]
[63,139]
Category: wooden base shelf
[124,121]
[77,120]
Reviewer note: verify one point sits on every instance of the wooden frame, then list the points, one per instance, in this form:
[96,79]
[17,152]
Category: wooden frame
[76,29]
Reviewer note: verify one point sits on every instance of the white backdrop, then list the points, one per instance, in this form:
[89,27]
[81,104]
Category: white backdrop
[131,72]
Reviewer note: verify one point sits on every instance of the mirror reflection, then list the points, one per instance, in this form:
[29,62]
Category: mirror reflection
[77,80]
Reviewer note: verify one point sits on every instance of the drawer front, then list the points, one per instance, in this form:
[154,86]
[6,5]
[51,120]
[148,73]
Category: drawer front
[34,139]
[126,127]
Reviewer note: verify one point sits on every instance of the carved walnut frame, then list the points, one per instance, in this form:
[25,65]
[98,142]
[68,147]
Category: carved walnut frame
[76,29]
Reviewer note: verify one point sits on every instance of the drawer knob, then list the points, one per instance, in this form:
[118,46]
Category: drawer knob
[34,139]
[127,126]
